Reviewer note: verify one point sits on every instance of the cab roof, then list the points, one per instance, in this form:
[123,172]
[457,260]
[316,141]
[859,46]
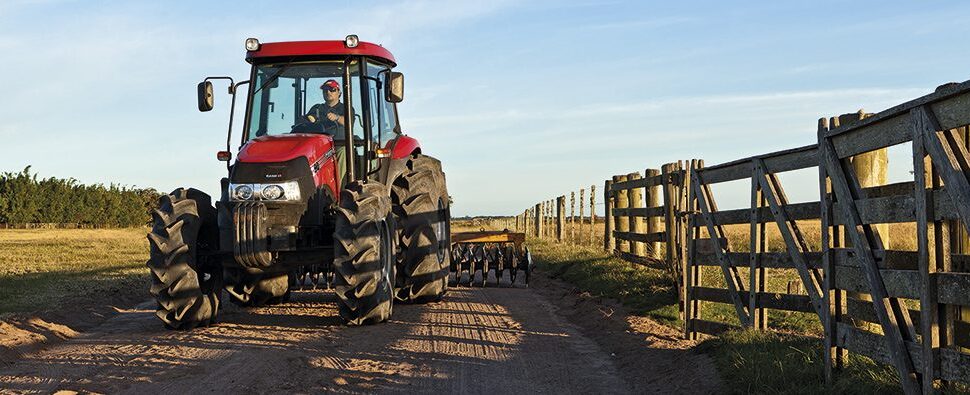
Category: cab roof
[312,48]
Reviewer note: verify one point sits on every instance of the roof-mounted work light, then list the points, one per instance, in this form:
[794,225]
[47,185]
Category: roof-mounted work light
[252,44]
[351,41]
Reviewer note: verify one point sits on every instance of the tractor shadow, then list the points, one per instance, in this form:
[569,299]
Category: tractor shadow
[306,309]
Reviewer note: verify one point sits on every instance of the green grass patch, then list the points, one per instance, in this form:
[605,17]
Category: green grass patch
[41,269]
[753,362]
[646,291]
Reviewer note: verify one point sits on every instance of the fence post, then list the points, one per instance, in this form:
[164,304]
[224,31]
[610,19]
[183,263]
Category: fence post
[538,220]
[959,244]
[560,218]
[592,214]
[653,200]
[637,224]
[582,218]
[608,243]
[572,216]
[622,222]
[671,204]
[528,221]
[550,219]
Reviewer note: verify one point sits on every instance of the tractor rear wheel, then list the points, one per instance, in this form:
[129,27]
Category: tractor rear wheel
[364,254]
[420,199]
[251,290]
[184,281]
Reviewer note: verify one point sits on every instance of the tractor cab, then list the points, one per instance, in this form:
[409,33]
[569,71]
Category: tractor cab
[306,91]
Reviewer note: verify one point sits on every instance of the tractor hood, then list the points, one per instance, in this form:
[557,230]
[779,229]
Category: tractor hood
[286,147]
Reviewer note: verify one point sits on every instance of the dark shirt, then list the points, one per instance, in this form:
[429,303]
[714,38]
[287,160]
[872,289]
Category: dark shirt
[320,111]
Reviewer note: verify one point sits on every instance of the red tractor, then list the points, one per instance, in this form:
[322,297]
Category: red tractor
[325,186]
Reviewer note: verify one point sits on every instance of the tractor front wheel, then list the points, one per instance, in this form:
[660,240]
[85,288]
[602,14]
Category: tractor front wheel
[184,280]
[364,254]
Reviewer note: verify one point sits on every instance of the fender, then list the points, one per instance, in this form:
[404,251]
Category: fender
[405,146]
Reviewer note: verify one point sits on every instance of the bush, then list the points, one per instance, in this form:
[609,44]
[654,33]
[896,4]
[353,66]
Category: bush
[26,199]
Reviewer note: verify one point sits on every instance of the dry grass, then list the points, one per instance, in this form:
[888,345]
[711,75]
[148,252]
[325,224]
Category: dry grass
[44,268]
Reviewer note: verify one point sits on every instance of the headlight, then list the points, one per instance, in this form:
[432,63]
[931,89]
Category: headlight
[272,192]
[351,41]
[252,44]
[286,191]
[242,192]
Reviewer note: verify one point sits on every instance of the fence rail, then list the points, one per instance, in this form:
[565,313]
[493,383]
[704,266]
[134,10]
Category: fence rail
[906,307]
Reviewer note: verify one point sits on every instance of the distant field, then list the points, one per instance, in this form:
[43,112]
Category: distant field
[45,268]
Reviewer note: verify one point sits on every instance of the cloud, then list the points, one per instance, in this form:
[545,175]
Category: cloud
[643,24]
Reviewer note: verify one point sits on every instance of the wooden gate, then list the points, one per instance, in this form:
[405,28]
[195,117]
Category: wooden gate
[923,350]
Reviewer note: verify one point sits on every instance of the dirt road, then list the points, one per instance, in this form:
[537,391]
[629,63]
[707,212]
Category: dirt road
[537,340]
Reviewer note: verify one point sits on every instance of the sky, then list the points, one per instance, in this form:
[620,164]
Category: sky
[522,101]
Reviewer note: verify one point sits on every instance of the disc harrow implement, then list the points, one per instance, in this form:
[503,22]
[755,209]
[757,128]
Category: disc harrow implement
[490,259]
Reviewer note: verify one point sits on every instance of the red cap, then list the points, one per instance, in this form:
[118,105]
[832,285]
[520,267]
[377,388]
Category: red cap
[330,84]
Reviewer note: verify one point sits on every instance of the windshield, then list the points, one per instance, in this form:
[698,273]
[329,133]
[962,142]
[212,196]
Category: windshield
[304,97]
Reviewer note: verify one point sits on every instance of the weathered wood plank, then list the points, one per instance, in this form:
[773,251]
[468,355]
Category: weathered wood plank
[776,162]
[874,346]
[954,365]
[640,212]
[769,260]
[885,259]
[954,288]
[769,300]
[757,239]
[926,257]
[637,183]
[897,283]
[641,237]
[863,310]
[797,211]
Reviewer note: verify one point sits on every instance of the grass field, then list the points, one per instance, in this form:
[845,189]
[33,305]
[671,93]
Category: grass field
[41,269]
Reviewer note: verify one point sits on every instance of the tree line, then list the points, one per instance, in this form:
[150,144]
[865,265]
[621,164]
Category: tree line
[25,198]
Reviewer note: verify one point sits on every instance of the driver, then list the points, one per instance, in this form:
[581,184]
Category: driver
[330,113]
[330,116]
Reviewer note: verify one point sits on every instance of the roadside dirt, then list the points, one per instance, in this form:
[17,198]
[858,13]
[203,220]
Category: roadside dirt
[545,339]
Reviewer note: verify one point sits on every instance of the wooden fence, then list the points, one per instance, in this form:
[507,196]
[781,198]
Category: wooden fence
[710,244]
[907,307]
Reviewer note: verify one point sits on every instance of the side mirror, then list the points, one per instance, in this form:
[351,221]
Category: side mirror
[394,87]
[206,99]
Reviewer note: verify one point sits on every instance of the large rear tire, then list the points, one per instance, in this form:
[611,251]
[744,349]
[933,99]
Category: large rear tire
[420,199]
[184,281]
[364,254]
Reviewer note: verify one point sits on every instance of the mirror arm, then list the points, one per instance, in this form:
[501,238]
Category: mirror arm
[232,112]
[231,82]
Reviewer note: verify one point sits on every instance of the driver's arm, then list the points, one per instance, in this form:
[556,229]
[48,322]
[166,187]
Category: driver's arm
[313,115]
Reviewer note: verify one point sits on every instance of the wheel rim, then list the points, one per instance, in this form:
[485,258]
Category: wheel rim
[387,255]
[440,231]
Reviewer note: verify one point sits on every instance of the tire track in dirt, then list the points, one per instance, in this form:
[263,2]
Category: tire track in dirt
[475,341]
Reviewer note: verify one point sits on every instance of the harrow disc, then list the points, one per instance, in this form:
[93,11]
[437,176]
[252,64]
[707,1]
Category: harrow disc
[490,259]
